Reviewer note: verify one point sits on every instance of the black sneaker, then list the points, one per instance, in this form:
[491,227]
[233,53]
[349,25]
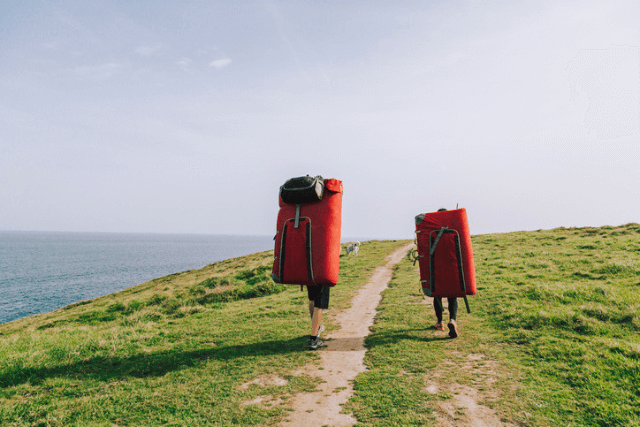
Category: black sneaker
[453,330]
[313,344]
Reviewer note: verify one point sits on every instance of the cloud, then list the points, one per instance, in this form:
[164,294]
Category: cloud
[148,50]
[98,72]
[184,64]
[611,80]
[220,63]
[52,45]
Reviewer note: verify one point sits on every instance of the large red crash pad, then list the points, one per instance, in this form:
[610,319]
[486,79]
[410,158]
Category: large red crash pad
[445,254]
[307,243]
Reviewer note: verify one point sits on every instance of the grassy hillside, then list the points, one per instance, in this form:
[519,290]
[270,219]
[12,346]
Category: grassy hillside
[552,340]
[179,350]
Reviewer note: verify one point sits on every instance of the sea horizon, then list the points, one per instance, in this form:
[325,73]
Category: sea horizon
[42,271]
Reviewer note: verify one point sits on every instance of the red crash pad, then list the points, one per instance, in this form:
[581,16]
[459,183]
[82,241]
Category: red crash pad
[307,251]
[444,246]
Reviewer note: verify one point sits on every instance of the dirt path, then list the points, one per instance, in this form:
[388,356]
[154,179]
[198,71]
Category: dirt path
[343,356]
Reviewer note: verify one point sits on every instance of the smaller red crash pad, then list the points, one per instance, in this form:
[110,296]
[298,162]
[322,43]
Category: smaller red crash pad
[445,254]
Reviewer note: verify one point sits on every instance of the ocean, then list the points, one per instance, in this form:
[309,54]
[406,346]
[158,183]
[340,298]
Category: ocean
[44,271]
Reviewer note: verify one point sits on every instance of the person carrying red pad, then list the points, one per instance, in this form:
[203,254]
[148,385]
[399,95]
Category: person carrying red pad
[446,261]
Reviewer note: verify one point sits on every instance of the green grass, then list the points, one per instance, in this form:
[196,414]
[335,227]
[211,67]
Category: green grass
[552,338]
[172,351]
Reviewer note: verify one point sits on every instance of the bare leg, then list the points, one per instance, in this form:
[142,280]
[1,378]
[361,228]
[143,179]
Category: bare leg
[311,309]
[315,322]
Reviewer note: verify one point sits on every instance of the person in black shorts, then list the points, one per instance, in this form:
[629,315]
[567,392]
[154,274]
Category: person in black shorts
[318,301]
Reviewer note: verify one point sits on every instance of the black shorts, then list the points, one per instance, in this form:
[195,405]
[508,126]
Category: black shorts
[319,295]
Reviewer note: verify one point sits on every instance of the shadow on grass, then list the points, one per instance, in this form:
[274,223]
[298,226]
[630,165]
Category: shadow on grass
[356,343]
[383,339]
[143,365]
[398,335]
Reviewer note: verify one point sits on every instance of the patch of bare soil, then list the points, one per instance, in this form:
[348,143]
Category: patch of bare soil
[265,381]
[463,408]
[343,356]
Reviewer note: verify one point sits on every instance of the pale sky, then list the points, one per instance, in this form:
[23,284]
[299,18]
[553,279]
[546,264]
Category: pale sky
[186,117]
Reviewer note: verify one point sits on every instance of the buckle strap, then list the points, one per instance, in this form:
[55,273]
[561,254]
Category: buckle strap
[440,233]
[297,216]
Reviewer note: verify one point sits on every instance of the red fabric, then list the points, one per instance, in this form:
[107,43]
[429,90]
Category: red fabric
[295,263]
[325,217]
[447,280]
